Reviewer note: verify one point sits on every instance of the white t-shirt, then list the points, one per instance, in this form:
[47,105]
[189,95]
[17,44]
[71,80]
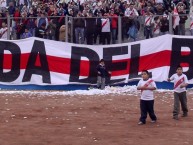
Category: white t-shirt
[105,25]
[129,12]
[176,79]
[147,94]
[3,32]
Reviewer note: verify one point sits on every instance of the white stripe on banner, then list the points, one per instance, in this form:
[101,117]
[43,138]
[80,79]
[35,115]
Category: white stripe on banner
[46,62]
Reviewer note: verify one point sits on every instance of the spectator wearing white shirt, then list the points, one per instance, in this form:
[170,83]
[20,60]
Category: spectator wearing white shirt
[3,31]
[105,31]
[148,29]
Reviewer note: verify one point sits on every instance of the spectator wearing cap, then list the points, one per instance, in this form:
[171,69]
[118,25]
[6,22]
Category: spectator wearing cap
[105,31]
[114,25]
[164,25]
[26,34]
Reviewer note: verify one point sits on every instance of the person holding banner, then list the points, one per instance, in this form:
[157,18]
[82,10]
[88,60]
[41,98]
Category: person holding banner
[146,85]
[180,84]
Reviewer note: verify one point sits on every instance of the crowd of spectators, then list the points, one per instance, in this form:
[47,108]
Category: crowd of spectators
[93,21]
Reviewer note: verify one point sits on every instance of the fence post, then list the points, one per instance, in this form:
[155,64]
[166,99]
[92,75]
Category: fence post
[8,27]
[170,24]
[119,30]
[72,27]
[66,28]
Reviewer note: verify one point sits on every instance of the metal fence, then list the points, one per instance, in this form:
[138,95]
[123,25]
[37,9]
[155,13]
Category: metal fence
[121,34]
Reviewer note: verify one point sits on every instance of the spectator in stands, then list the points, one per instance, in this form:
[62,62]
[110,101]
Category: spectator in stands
[41,31]
[114,25]
[26,34]
[42,19]
[3,31]
[79,25]
[51,30]
[191,22]
[98,28]
[156,27]
[181,11]
[62,33]
[164,25]
[90,28]
[105,31]
[148,29]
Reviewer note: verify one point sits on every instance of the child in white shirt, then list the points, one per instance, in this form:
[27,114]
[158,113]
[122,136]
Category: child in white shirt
[146,85]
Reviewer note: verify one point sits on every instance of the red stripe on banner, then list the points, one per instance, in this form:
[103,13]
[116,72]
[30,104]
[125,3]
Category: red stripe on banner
[56,64]
[159,61]
[62,65]
[86,65]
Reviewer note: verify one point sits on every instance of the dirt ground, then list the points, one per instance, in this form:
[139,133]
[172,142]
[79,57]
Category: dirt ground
[36,119]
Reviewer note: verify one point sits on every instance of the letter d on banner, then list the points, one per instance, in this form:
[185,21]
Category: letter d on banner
[14,72]
[77,53]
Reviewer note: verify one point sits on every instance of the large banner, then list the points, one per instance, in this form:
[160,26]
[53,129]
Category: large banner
[46,62]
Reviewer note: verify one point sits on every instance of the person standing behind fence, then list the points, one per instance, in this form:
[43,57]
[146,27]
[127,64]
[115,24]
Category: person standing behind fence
[98,28]
[3,31]
[90,28]
[164,25]
[183,18]
[114,25]
[191,23]
[79,26]
[102,73]
[26,34]
[148,30]
[105,32]
[156,27]
[146,85]
[180,84]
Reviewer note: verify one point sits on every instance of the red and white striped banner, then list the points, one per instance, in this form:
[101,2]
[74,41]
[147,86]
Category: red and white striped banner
[46,62]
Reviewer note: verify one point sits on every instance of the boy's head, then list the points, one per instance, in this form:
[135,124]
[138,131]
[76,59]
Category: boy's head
[179,70]
[102,61]
[145,74]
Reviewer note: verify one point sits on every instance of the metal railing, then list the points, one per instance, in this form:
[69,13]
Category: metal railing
[69,27]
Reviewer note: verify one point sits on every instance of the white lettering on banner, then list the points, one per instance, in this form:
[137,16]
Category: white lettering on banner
[45,62]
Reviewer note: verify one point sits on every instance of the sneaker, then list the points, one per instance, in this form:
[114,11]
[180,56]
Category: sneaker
[140,123]
[175,117]
[153,121]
